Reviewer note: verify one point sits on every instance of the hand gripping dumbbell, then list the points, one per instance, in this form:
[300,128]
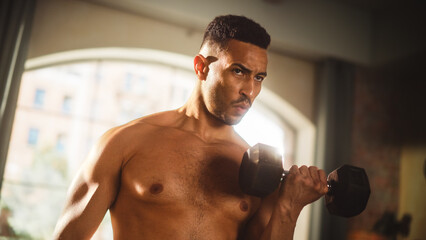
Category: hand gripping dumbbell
[261,172]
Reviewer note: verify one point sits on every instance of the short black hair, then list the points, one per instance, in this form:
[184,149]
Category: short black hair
[224,28]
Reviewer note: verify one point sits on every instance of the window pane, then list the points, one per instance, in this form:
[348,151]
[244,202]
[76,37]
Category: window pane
[66,104]
[39,97]
[33,136]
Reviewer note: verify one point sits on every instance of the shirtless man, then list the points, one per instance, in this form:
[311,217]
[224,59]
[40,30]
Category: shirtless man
[174,175]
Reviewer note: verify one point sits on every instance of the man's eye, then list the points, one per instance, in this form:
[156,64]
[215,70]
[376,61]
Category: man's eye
[259,78]
[238,71]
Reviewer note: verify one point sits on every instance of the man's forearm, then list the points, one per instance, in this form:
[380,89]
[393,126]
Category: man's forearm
[282,223]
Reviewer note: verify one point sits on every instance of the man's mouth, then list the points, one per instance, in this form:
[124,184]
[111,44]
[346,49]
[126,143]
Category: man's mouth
[242,105]
[242,108]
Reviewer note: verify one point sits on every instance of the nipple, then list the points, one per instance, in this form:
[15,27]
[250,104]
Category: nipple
[156,188]
[244,206]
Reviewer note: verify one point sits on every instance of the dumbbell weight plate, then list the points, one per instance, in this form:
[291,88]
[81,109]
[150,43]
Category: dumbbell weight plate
[349,191]
[260,178]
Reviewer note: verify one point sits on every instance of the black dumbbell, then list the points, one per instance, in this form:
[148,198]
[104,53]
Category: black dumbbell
[261,172]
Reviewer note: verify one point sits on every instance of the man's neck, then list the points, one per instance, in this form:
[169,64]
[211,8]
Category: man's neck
[197,119]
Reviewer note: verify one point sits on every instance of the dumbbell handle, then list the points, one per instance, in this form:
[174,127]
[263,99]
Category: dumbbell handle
[285,172]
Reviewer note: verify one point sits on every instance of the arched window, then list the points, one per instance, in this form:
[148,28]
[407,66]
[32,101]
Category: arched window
[67,101]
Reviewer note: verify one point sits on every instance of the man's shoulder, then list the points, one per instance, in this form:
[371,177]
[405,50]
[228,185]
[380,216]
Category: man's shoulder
[153,121]
[147,124]
[160,119]
[131,135]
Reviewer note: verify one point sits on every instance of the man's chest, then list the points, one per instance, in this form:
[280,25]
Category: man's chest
[187,173]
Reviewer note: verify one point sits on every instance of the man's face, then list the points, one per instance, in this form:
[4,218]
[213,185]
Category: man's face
[234,80]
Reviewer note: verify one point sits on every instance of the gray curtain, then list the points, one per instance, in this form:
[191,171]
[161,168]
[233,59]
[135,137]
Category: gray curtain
[334,114]
[15,26]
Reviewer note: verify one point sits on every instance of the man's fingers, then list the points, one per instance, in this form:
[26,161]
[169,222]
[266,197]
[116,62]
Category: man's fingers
[294,169]
[322,176]
[323,179]
[314,173]
[304,170]
[317,175]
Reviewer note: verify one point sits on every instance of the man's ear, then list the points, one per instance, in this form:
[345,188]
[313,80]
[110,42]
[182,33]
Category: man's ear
[201,67]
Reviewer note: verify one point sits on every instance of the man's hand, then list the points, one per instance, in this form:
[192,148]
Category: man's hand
[302,186]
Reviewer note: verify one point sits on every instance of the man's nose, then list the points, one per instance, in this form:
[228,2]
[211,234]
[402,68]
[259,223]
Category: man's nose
[247,88]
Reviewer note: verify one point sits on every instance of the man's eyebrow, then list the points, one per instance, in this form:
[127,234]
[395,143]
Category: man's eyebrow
[245,69]
[263,74]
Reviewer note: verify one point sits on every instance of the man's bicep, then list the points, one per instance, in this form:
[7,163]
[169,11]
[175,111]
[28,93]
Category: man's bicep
[92,192]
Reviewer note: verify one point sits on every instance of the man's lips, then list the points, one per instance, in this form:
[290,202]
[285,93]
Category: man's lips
[242,105]
[242,108]
[243,102]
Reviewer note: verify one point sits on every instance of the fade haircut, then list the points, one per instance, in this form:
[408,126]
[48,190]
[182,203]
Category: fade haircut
[224,28]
